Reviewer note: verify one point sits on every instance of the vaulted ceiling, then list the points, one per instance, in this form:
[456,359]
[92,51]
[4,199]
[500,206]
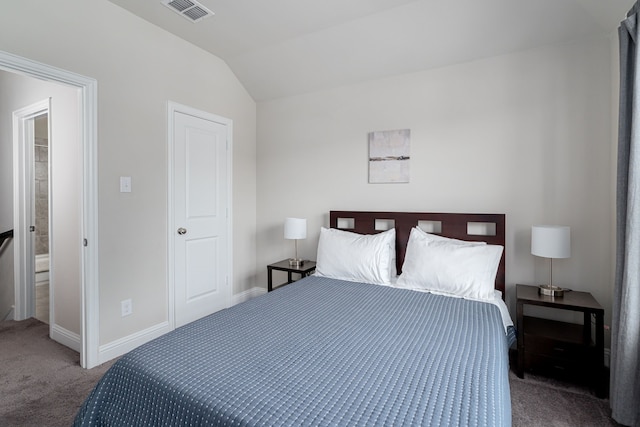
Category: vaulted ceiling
[280,48]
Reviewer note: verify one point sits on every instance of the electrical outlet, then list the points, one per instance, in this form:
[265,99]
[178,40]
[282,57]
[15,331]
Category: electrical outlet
[126,307]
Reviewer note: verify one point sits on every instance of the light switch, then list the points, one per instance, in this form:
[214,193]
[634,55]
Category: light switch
[125,184]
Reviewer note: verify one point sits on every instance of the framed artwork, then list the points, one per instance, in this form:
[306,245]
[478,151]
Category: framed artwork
[389,156]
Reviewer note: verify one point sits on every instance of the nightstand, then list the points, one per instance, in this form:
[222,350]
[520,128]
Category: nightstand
[304,271]
[562,349]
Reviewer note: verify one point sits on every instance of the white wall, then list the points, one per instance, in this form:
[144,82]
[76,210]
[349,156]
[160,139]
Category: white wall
[526,134]
[139,67]
[66,172]
[6,213]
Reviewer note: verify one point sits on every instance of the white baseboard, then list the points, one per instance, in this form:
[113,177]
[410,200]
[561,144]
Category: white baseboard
[9,315]
[124,345]
[247,295]
[66,337]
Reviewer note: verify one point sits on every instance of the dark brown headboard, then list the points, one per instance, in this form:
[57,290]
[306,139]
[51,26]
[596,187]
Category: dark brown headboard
[454,225]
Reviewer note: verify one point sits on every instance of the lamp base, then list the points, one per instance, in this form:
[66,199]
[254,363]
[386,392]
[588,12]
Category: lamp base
[296,262]
[550,290]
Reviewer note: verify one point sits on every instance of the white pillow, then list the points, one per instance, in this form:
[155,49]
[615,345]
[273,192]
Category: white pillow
[438,238]
[463,270]
[356,257]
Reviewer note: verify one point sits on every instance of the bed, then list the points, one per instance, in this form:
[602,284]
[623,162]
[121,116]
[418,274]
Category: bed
[330,351]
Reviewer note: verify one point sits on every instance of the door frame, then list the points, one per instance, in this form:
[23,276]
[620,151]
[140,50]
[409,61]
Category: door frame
[23,209]
[172,109]
[88,100]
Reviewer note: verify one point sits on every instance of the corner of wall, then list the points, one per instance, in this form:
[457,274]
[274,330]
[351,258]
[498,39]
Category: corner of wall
[615,107]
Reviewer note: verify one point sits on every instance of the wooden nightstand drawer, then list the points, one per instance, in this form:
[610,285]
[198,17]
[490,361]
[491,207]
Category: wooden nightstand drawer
[554,348]
[557,367]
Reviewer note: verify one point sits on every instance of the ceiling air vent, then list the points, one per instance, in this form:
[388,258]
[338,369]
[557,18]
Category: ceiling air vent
[189,9]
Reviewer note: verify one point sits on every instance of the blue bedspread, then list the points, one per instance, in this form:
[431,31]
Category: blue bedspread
[317,352]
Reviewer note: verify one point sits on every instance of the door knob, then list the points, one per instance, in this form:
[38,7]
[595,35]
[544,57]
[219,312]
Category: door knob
[182,231]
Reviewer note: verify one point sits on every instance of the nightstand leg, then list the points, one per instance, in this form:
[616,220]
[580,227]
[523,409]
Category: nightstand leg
[601,387]
[269,279]
[586,339]
[520,333]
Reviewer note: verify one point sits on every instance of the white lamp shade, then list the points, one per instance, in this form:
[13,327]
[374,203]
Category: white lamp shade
[295,228]
[551,241]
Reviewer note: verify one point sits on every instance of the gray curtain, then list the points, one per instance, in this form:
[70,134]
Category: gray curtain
[625,332]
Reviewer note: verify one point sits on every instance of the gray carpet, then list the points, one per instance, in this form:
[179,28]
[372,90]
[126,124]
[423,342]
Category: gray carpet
[41,381]
[42,384]
[538,401]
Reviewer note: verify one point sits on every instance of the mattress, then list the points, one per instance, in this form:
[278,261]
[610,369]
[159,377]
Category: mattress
[319,352]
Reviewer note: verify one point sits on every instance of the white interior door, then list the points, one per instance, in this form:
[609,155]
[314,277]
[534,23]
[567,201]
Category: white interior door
[201,223]
[24,207]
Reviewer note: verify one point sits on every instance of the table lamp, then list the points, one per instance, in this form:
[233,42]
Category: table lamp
[551,241]
[294,229]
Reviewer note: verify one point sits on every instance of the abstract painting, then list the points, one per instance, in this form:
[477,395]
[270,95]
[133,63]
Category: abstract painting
[389,156]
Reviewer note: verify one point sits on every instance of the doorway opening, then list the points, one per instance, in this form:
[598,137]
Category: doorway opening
[86,341]
[31,208]
[41,203]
